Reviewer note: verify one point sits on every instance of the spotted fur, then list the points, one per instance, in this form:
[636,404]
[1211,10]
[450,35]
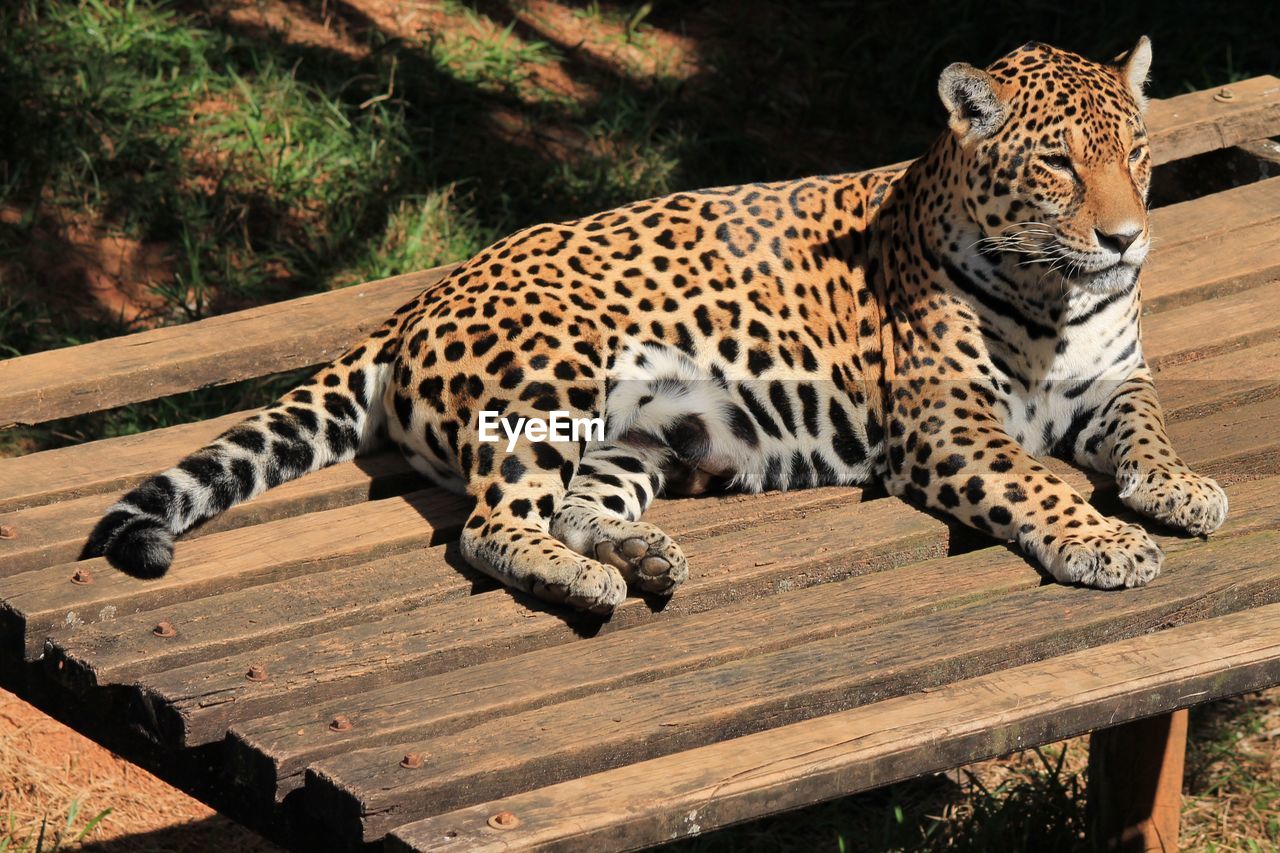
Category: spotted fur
[934,328]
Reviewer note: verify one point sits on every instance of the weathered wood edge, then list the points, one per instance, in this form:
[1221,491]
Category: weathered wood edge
[368,788]
[254,342]
[804,763]
[267,751]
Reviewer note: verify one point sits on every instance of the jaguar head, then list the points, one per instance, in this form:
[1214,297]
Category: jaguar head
[1056,162]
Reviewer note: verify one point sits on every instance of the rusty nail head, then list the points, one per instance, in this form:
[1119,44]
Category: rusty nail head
[504,820]
[413,760]
[7,532]
[1225,95]
[164,629]
[256,673]
[340,723]
[82,577]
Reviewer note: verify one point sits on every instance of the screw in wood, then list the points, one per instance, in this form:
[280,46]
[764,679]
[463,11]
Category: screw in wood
[504,820]
[7,532]
[165,629]
[1224,95]
[82,577]
[256,673]
[413,760]
[340,723]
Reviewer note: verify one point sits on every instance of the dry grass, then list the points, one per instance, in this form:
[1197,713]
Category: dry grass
[45,768]
[1232,802]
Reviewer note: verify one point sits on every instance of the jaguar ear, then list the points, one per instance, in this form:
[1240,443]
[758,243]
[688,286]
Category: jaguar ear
[969,95]
[1133,67]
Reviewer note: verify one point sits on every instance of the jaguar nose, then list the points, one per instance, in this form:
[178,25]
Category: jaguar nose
[1118,242]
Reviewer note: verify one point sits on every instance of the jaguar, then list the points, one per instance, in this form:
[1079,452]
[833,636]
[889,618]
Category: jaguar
[936,328]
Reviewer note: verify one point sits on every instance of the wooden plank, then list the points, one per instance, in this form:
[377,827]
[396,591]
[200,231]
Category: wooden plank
[1234,444]
[123,649]
[259,341]
[368,789]
[1195,389]
[33,603]
[56,533]
[253,342]
[269,752]
[194,705]
[1213,246]
[659,800]
[1215,326]
[1198,122]
[108,465]
[1135,783]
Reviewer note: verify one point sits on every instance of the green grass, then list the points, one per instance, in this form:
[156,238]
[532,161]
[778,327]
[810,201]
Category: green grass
[45,839]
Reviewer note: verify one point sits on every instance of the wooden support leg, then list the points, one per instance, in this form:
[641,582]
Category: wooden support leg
[1135,784]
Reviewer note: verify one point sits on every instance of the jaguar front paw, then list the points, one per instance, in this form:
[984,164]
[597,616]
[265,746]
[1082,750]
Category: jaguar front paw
[1123,555]
[1179,498]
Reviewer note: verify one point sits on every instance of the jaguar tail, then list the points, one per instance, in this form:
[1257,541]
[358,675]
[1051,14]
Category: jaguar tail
[331,418]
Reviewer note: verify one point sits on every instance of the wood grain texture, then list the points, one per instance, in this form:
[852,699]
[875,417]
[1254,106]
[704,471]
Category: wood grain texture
[804,763]
[253,342]
[1234,444]
[1207,386]
[368,788]
[1135,784]
[1196,122]
[108,465]
[56,533]
[1236,228]
[1213,327]
[122,650]
[33,603]
[195,704]
[269,752]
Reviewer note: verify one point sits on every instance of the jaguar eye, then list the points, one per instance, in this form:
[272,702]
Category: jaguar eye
[1136,154]
[1059,163]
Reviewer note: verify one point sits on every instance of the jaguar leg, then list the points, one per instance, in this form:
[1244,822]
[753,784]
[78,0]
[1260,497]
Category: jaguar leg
[600,515]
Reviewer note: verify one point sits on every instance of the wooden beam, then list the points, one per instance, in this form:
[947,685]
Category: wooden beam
[217,351]
[1194,389]
[694,792]
[368,788]
[106,465]
[1206,121]
[1236,228]
[1135,784]
[1226,324]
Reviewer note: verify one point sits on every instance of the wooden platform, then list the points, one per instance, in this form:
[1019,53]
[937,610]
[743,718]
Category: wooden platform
[827,642]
